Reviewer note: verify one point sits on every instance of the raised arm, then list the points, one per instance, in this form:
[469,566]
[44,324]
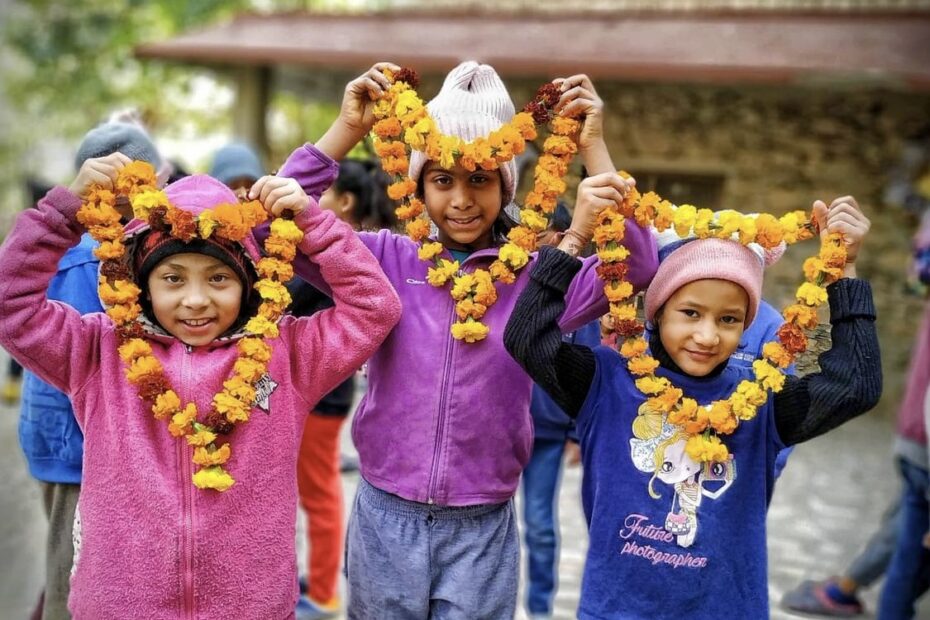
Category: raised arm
[850,379]
[338,339]
[534,339]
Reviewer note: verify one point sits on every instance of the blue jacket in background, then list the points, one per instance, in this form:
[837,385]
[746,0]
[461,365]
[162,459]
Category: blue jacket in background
[48,433]
[549,421]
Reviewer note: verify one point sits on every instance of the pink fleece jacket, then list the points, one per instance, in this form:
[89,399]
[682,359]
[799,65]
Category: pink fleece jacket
[151,544]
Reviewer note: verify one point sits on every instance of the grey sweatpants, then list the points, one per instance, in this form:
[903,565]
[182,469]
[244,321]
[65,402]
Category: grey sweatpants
[412,561]
[60,502]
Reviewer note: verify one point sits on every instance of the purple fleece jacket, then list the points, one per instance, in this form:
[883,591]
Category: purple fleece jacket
[443,421]
[151,544]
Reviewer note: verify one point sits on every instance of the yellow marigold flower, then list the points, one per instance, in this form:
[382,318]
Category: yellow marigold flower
[533,220]
[469,309]
[791,224]
[651,385]
[624,312]
[261,326]
[205,457]
[118,292]
[109,250]
[669,397]
[613,255]
[206,224]
[610,231]
[643,365]
[255,349]
[469,331]
[143,367]
[747,230]
[769,376]
[429,251]
[273,268]
[282,250]
[286,230]
[560,145]
[706,449]
[618,291]
[502,273]
[684,219]
[213,478]
[803,316]
[513,256]
[240,389]
[485,293]
[166,404]
[463,286]
[442,272]
[665,215]
[721,417]
[144,202]
[684,412]
[698,422]
[232,408]
[702,223]
[249,370]
[418,229]
[133,349]
[112,232]
[833,255]
[813,267]
[122,314]
[768,231]
[202,437]
[273,291]
[633,347]
[407,101]
[775,353]
[753,394]
[729,222]
[102,214]
[181,422]
[811,294]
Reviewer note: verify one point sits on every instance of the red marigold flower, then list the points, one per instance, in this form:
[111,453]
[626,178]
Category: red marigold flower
[115,270]
[628,329]
[538,111]
[409,76]
[157,219]
[218,422]
[150,387]
[612,271]
[182,224]
[792,338]
[548,95]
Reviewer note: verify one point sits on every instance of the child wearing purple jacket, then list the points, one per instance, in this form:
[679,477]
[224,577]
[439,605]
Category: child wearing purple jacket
[444,431]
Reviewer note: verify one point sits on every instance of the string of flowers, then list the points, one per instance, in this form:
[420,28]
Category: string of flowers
[404,123]
[705,424]
[231,222]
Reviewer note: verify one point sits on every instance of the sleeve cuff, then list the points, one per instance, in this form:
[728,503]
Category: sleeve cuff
[64,202]
[555,268]
[850,298]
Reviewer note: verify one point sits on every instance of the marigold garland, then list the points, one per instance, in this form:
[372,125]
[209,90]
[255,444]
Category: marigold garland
[703,425]
[231,222]
[404,123]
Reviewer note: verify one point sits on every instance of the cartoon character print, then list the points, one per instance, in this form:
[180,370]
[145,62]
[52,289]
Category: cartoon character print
[658,448]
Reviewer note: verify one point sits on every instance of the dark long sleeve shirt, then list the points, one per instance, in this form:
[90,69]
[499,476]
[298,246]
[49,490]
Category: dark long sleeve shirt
[849,383]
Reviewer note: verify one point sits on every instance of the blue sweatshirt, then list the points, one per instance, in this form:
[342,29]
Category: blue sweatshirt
[48,433]
[696,572]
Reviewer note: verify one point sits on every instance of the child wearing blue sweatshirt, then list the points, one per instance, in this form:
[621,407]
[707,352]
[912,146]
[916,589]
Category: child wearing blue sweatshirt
[671,537]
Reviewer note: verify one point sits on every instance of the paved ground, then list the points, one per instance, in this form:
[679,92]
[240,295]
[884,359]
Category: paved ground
[826,504]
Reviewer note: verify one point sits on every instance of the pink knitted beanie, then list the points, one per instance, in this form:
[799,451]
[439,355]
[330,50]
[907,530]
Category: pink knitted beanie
[707,259]
[472,103]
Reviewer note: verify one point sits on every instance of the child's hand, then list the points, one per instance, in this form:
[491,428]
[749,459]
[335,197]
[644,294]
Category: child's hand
[580,100]
[844,216]
[360,94]
[279,194]
[99,170]
[595,194]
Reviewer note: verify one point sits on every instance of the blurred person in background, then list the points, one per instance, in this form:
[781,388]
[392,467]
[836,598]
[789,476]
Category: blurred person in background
[358,197]
[49,434]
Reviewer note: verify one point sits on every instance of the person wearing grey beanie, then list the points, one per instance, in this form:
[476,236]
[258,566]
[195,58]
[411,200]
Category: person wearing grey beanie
[432,532]
[237,166]
[127,138]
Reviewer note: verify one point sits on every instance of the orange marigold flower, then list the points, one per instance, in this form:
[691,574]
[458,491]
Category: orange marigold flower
[182,223]
[776,353]
[618,291]
[121,314]
[181,422]
[564,126]
[651,385]
[166,404]
[502,273]
[643,365]
[699,421]
[721,417]
[524,123]
[410,209]
[261,326]
[485,293]
[706,449]
[522,237]
[469,309]
[633,347]
[133,349]
[273,268]
[255,349]
[387,128]
[801,315]
[560,145]
[206,458]
[109,250]
[118,292]
[418,229]
[147,365]
[232,224]
[281,250]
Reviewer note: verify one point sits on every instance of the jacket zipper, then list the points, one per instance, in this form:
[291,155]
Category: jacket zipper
[187,502]
[441,423]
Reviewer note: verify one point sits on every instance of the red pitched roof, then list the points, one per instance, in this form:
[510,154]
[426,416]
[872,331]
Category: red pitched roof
[722,47]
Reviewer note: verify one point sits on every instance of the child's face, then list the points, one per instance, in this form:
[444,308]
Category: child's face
[195,297]
[701,324]
[463,204]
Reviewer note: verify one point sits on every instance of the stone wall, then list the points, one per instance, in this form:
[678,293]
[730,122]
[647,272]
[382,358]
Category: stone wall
[778,150]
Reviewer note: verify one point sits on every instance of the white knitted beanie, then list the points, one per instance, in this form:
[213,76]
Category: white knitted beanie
[473,102]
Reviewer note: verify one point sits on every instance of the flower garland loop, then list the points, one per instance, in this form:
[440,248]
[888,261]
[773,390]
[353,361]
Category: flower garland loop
[703,425]
[232,222]
[403,123]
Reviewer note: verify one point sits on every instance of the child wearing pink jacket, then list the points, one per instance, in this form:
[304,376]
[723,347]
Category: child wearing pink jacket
[148,543]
